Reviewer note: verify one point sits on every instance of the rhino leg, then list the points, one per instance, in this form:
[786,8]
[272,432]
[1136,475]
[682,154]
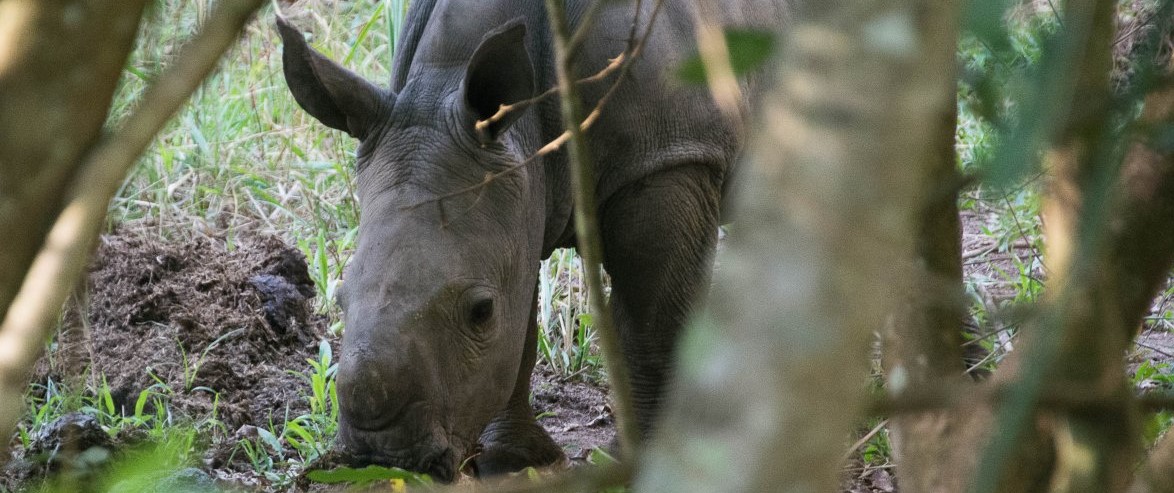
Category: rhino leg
[659,238]
[513,440]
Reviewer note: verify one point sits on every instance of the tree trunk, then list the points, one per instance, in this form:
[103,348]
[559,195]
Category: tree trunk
[79,190]
[59,64]
[923,344]
[1109,247]
[1144,249]
[772,375]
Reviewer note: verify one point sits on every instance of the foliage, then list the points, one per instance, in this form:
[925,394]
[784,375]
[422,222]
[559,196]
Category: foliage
[566,334]
[397,478]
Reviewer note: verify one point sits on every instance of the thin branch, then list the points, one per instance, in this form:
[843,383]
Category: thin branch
[482,126]
[583,182]
[624,62]
[585,24]
[863,440]
[65,254]
[715,56]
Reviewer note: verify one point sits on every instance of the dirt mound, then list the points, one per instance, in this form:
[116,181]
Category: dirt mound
[219,326]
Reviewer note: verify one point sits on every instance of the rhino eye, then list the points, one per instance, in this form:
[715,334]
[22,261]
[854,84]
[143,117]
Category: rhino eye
[481,311]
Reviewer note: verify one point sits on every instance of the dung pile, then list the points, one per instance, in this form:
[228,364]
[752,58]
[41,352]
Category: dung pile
[219,326]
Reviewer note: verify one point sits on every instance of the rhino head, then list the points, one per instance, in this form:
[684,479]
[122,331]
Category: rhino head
[439,293]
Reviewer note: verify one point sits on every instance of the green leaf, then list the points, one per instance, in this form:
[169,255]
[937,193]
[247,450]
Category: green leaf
[366,475]
[599,456]
[748,50]
[271,440]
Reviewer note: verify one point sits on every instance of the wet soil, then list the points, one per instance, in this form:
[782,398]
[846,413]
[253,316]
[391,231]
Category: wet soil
[220,332]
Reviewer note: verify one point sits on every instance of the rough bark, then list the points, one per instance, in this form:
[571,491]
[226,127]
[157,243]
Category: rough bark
[771,377]
[923,344]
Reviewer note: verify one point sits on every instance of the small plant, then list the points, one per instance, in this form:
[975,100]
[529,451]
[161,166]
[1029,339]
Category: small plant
[565,330]
[310,435]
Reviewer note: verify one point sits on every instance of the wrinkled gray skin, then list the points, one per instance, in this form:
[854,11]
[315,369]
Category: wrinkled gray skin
[440,297]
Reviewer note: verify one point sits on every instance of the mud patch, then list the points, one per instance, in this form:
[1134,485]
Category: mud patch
[575,412]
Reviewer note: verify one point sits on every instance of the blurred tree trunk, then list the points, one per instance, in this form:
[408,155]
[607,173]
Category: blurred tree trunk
[923,343]
[1110,244]
[771,377]
[60,61]
[59,66]
[1144,245]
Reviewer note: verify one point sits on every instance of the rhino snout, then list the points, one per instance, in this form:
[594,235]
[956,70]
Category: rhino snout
[430,454]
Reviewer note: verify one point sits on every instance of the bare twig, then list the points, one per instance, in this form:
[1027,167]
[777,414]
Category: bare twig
[1072,396]
[863,440]
[482,126]
[583,182]
[623,64]
[585,25]
[715,55]
[65,253]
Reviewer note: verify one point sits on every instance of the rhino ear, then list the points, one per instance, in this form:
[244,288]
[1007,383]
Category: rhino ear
[499,73]
[334,95]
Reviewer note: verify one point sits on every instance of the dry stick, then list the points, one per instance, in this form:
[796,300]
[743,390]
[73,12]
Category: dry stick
[587,230]
[623,63]
[863,440]
[715,56]
[482,126]
[576,480]
[65,254]
[583,479]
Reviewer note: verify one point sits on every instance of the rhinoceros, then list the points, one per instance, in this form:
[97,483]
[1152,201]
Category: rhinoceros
[440,296]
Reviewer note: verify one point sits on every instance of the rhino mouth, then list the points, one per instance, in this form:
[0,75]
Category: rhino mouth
[359,448]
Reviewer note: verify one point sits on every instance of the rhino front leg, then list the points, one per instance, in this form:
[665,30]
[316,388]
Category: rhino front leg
[659,236]
[513,440]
